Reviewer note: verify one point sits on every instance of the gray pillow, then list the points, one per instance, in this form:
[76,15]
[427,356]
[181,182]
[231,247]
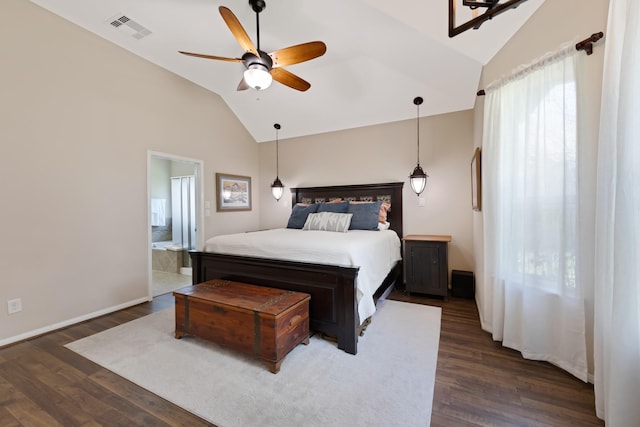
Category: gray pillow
[299,215]
[365,215]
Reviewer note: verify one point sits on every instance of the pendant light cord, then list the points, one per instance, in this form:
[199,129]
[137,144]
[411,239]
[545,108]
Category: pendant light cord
[418,133]
[277,127]
[417,101]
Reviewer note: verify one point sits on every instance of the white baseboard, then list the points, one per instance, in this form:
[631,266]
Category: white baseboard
[70,322]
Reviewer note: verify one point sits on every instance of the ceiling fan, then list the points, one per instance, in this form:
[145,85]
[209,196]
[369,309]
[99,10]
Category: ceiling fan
[262,67]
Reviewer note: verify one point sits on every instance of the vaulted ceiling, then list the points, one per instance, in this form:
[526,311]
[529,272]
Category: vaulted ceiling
[380,55]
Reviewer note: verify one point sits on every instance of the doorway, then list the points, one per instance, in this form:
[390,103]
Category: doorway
[174,193]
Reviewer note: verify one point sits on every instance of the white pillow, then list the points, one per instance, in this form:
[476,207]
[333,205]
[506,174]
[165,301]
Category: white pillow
[384,226]
[328,221]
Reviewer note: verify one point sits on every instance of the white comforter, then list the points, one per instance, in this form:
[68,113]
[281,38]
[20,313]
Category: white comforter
[375,252]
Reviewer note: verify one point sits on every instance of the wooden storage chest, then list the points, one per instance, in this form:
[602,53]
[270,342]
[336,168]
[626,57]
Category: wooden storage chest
[263,322]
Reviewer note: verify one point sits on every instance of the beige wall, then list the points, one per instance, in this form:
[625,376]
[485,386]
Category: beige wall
[555,23]
[385,153]
[77,118]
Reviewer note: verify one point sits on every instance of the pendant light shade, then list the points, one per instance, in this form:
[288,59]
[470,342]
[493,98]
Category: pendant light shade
[277,188]
[418,178]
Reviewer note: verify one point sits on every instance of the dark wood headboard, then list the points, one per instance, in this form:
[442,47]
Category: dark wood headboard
[390,192]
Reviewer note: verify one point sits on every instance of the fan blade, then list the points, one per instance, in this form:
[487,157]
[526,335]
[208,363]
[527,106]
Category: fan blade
[236,29]
[289,79]
[298,53]
[243,85]
[219,58]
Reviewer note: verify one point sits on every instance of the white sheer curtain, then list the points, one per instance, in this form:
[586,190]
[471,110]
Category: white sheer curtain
[531,212]
[617,267]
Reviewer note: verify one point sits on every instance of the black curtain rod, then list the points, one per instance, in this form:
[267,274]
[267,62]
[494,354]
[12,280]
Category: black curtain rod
[586,45]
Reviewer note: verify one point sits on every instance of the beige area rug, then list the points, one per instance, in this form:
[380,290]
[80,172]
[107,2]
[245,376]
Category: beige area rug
[388,383]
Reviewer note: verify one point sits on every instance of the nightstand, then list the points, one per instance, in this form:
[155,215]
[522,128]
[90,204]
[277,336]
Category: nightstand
[426,265]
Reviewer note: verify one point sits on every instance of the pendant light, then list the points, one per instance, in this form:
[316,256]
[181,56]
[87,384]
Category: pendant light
[277,188]
[418,178]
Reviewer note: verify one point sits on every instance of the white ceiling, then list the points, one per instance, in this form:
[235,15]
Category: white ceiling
[380,55]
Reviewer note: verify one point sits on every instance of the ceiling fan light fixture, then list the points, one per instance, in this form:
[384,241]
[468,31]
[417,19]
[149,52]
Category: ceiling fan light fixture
[258,77]
[258,63]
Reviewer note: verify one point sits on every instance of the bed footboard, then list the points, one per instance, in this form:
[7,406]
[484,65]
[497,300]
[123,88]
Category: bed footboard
[333,307]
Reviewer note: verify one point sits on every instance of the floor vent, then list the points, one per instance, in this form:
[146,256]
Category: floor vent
[122,22]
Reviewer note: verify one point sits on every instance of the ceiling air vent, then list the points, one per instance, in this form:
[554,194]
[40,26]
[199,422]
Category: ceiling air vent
[122,22]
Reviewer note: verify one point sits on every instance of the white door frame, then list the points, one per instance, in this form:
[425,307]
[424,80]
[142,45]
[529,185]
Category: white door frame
[199,166]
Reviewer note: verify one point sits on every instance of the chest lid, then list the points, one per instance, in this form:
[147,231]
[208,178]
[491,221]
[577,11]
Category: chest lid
[243,295]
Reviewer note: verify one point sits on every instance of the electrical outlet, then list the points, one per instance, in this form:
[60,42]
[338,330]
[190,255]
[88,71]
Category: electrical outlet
[14,305]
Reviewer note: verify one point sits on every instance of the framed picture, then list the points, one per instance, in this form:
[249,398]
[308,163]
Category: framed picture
[476,181]
[233,192]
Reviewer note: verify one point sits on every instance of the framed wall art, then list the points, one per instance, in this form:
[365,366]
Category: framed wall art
[476,180]
[233,192]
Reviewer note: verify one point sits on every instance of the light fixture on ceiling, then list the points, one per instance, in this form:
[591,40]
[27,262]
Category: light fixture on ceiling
[493,8]
[257,76]
[418,178]
[262,67]
[277,188]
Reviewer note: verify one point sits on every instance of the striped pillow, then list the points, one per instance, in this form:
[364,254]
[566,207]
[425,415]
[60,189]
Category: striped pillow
[328,221]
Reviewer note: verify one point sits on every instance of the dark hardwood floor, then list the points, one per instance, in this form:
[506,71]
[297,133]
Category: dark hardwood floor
[481,383]
[478,382]
[44,384]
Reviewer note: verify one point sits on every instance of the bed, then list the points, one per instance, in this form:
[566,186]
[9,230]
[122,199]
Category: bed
[334,307]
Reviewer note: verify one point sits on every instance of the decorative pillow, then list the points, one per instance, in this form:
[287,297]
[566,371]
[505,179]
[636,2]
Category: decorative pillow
[337,207]
[328,221]
[299,215]
[384,208]
[384,226]
[365,215]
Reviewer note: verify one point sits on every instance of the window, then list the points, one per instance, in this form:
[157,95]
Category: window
[531,212]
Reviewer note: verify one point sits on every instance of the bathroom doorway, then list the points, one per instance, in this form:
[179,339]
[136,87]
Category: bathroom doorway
[174,192]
